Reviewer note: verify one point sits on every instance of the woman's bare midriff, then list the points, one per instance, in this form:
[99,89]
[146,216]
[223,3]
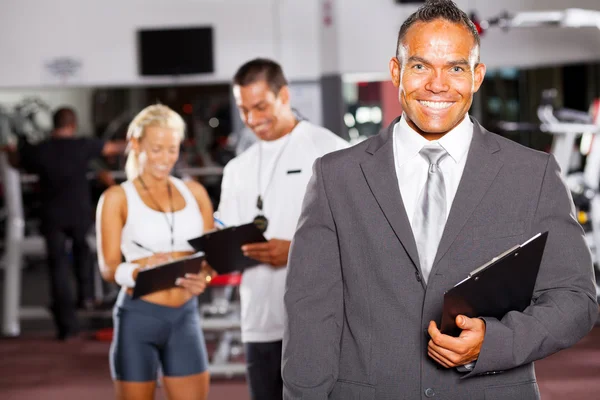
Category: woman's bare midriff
[174,297]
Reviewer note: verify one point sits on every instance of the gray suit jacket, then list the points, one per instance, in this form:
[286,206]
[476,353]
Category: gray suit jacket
[357,311]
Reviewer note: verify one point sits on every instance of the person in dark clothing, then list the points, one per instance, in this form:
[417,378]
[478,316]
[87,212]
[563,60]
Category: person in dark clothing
[61,162]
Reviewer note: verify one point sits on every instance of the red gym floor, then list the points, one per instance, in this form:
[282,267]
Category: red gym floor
[36,367]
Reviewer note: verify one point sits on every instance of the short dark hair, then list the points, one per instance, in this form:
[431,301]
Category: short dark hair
[437,9]
[261,69]
[64,117]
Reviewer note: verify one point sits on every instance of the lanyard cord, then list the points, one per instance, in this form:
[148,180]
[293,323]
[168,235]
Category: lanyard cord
[259,200]
[170,223]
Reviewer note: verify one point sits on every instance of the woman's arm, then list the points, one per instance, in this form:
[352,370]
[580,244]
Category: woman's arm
[111,215]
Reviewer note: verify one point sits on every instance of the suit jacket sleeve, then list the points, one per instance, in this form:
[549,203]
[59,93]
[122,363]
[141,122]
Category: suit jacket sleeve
[564,307]
[313,299]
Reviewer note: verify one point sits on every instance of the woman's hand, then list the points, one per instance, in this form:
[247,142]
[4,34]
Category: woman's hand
[150,262]
[196,283]
[156,259]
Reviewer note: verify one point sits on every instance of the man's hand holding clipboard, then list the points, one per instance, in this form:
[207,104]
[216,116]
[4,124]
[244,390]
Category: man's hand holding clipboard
[223,248]
[502,285]
[273,252]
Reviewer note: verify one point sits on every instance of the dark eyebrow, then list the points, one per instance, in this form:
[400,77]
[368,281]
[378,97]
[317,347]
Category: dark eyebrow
[418,59]
[260,103]
[454,63]
[459,62]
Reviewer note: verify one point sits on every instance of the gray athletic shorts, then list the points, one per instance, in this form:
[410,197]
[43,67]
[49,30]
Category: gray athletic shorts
[148,335]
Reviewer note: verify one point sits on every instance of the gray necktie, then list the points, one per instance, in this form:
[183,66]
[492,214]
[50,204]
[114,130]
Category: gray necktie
[430,215]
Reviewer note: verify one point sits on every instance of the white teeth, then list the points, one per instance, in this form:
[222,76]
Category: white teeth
[440,105]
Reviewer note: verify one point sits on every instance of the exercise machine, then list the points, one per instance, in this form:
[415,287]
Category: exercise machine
[568,18]
[575,135]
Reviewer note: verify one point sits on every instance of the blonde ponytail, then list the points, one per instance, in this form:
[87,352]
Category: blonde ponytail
[155,115]
[132,168]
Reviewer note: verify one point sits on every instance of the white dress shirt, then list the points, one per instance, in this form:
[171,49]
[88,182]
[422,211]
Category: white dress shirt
[411,167]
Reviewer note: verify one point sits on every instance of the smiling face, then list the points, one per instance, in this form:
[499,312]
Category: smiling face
[263,111]
[158,151]
[437,76]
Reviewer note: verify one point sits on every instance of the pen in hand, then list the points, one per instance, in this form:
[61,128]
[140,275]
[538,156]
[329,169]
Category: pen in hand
[220,223]
[141,246]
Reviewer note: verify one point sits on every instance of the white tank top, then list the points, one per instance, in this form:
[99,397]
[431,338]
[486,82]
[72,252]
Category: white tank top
[150,228]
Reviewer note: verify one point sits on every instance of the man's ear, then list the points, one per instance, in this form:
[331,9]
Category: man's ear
[284,95]
[479,75]
[395,69]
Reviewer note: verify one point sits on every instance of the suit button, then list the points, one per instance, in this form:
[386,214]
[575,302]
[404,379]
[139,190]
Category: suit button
[429,392]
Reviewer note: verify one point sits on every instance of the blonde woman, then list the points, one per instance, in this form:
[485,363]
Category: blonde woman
[148,219]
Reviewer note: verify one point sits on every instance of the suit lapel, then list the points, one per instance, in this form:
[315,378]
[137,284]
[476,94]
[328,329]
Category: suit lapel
[483,165]
[380,172]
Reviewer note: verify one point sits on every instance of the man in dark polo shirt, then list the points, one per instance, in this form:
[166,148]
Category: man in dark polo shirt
[61,162]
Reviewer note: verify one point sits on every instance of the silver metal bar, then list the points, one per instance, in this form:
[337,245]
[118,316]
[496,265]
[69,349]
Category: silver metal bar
[228,370]
[15,230]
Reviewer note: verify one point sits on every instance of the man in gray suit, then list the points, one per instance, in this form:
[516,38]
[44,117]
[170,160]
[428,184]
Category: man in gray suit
[392,223]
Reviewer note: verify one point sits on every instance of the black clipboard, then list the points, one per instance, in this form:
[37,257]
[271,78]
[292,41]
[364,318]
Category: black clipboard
[163,276]
[223,247]
[503,284]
